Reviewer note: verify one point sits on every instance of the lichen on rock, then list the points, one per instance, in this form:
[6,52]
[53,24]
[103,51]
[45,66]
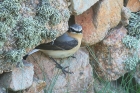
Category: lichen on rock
[21,31]
[132,40]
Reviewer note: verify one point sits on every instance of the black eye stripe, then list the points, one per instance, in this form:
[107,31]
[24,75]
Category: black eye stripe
[72,30]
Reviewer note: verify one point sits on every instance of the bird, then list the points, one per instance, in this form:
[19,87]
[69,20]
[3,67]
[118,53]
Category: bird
[63,46]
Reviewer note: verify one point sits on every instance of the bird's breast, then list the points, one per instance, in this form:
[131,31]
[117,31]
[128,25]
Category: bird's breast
[61,53]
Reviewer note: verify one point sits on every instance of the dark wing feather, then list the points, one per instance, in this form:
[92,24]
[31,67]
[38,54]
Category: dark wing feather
[58,45]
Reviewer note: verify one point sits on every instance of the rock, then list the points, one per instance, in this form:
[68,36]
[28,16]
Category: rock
[111,54]
[133,5]
[36,87]
[125,15]
[100,18]
[56,81]
[2,90]
[79,6]
[19,79]
[12,46]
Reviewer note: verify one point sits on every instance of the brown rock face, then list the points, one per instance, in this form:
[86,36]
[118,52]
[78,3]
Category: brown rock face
[37,87]
[125,15]
[111,54]
[133,5]
[96,21]
[80,79]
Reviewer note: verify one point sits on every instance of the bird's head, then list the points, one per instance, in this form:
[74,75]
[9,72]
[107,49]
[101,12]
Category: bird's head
[75,31]
[75,28]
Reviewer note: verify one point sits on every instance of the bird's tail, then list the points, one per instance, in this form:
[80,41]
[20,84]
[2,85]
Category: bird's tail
[25,57]
[33,51]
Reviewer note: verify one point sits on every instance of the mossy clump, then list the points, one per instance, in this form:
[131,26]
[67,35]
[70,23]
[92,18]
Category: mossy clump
[134,25]
[132,40]
[131,62]
[28,36]
[55,18]
[14,55]
[9,12]
[27,32]
[44,12]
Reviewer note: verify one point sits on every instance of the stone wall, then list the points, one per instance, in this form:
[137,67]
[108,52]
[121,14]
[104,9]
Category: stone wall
[109,49]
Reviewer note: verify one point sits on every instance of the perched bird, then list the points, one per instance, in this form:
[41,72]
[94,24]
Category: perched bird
[63,46]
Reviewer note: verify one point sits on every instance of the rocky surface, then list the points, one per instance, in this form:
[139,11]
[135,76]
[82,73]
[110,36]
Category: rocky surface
[79,6]
[116,49]
[2,90]
[14,42]
[133,5]
[19,78]
[36,87]
[96,21]
[111,53]
[125,15]
[79,80]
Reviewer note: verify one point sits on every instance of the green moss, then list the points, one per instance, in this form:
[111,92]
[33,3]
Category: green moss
[44,12]
[132,40]
[9,9]
[66,14]
[52,34]
[14,56]
[134,25]
[27,31]
[56,18]
[131,62]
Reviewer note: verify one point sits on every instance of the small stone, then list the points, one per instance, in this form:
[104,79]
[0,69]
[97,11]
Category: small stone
[19,79]
[36,87]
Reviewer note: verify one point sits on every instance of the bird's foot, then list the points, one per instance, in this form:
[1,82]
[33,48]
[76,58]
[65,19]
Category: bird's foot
[72,56]
[62,68]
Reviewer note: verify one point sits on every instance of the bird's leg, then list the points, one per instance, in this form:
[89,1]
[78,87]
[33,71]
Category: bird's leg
[72,56]
[60,67]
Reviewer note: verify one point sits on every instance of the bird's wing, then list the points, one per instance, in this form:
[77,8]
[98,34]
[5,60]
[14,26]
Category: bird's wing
[66,44]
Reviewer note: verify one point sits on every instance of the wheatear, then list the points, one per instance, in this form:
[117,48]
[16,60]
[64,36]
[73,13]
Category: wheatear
[63,46]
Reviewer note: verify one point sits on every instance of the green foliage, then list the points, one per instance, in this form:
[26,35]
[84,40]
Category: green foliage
[44,12]
[132,40]
[9,9]
[131,62]
[27,31]
[28,35]
[56,18]
[14,55]
[134,25]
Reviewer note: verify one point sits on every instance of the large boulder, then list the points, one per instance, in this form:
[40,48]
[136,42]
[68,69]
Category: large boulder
[111,54]
[19,79]
[99,19]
